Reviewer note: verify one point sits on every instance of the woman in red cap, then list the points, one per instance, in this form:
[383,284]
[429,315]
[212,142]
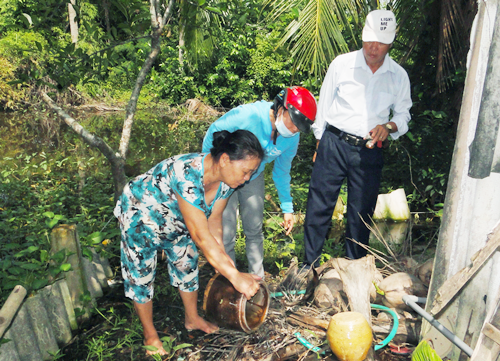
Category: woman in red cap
[277,125]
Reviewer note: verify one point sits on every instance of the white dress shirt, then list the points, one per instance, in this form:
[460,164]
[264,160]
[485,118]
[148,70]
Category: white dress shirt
[355,100]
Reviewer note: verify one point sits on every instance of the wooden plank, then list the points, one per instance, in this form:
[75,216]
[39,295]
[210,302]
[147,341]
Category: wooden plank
[488,344]
[492,332]
[452,286]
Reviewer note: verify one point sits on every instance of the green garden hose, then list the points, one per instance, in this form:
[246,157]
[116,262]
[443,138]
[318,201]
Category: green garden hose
[378,307]
[394,326]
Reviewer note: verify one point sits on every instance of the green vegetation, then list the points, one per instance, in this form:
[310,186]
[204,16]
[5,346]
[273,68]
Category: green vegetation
[224,53]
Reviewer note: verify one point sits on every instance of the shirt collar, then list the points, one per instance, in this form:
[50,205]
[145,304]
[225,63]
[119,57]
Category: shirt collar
[361,63]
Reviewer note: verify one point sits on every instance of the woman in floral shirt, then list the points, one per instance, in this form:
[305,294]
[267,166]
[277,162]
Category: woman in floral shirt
[176,207]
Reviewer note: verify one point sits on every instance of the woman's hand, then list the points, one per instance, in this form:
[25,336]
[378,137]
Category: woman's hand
[288,222]
[315,151]
[201,233]
[215,220]
[246,284]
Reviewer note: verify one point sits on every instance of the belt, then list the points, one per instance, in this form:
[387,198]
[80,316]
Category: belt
[346,137]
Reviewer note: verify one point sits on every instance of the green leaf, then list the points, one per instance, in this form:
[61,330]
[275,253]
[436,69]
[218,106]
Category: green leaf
[424,352]
[182,345]
[54,272]
[15,270]
[39,283]
[20,254]
[51,223]
[65,267]
[10,246]
[44,256]
[32,249]
[48,214]
[96,237]
[87,253]
[30,266]
[215,10]
[59,256]
[150,348]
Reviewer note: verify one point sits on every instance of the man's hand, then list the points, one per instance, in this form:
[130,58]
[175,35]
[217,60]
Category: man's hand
[380,134]
[288,222]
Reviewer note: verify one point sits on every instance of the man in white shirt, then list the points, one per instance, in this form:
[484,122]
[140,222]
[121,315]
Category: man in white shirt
[364,99]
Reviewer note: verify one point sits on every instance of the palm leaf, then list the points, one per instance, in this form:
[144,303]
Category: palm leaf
[424,352]
[456,22]
[317,36]
[198,26]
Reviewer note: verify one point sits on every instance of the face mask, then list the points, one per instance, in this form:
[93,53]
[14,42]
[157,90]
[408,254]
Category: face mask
[282,129]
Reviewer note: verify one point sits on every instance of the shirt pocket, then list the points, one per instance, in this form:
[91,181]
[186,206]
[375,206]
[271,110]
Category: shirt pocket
[351,96]
[383,104]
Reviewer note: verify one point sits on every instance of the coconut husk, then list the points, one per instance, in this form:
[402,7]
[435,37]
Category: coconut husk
[198,107]
[297,279]
[357,276]
[424,271]
[398,285]
[328,292]
[408,331]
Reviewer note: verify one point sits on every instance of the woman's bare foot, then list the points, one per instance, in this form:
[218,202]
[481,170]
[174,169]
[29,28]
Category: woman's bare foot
[199,323]
[156,342]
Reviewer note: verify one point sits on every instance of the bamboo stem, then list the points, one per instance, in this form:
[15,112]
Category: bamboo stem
[10,307]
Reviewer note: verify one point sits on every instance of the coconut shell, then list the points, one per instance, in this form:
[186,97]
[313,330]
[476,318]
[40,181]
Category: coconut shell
[398,285]
[409,264]
[424,272]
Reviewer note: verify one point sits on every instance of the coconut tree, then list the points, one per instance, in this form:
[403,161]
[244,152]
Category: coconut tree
[200,22]
[322,29]
[196,39]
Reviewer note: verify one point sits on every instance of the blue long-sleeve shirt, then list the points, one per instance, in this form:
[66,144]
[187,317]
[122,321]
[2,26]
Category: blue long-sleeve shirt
[255,118]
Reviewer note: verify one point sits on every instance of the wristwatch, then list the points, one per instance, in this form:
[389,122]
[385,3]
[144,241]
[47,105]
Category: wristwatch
[388,126]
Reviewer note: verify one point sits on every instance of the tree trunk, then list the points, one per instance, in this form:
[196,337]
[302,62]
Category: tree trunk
[117,160]
[73,25]
[105,5]
[471,209]
[182,44]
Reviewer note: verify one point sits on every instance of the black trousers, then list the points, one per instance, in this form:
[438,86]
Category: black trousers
[335,161]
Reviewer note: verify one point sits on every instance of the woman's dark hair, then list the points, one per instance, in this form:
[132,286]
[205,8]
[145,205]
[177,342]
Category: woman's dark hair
[238,145]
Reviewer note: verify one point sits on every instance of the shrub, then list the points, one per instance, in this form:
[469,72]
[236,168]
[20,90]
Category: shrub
[10,95]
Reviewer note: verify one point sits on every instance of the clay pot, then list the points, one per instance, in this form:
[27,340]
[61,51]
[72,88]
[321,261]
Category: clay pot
[349,336]
[226,307]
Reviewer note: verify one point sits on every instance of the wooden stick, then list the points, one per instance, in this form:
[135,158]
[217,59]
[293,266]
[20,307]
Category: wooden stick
[10,307]
[450,288]
[317,330]
[313,321]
